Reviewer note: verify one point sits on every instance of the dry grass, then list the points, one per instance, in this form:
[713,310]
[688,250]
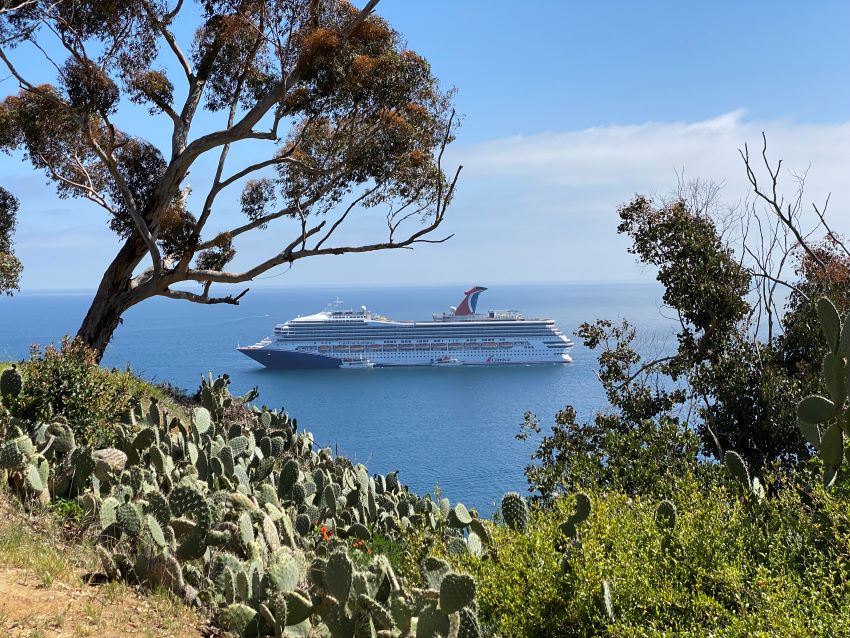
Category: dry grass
[42,592]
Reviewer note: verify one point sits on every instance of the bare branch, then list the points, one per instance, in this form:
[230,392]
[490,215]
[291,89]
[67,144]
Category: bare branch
[822,216]
[289,255]
[162,27]
[774,202]
[203,298]
[348,209]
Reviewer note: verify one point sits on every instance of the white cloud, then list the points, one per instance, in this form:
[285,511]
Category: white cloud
[551,198]
[646,155]
[529,208]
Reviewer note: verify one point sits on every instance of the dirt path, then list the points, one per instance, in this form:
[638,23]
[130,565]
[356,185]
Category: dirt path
[42,592]
[28,608]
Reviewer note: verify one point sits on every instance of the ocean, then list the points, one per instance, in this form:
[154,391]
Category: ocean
[450,428]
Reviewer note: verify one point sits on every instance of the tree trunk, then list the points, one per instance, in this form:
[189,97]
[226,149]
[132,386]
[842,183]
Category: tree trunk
[113,297]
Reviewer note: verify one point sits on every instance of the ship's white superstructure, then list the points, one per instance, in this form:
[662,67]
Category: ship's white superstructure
[461,337]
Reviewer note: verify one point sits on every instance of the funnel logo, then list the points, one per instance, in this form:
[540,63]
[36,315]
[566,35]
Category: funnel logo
[470,301]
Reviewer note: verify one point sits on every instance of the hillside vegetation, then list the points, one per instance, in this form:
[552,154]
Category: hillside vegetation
[708,499]
[237,513]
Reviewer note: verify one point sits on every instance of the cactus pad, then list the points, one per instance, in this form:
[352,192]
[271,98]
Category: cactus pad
[155,531]
[338,575]
[815,409]
[283,570]
[298,608]
[237,617]
[582,510]
[108,462]
[468,626]
[737,468]
[201,420]
[34,479]
[515,511]
[108,512]
[432,622]
[63,437]
[459,516]
[186,501]
[288,477]
[11,383]
[665,516]
[129,518]
[456,591]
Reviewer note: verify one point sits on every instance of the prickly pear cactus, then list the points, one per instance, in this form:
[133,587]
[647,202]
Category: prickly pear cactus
[251,520]
[665,516]
[515,511]
[579,515]
[456,592]
[825,420]
[11,383]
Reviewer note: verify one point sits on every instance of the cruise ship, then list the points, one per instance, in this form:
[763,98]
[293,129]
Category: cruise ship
[340,338]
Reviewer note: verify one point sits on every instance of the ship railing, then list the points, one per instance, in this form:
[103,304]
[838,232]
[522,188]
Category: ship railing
[262,343]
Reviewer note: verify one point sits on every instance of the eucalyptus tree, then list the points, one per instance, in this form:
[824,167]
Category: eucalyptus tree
[10,266]
[350,119]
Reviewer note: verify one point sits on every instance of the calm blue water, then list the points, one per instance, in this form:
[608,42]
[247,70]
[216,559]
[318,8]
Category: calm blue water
[452,427]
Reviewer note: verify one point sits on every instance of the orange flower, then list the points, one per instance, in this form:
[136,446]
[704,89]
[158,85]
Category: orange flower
[326,535]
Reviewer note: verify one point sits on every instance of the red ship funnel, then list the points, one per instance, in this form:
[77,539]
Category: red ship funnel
[470,301]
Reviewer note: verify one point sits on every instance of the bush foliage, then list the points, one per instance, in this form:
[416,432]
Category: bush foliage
[66,381]
[735,566]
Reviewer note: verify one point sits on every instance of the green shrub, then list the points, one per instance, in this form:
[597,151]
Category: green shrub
[734,566]
[67,381]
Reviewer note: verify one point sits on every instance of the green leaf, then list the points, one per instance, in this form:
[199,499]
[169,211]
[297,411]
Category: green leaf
[830,322]
[815,409]
[832,446]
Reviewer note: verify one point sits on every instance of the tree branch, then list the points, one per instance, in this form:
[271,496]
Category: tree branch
[202,298]
[773,202]
[162,27]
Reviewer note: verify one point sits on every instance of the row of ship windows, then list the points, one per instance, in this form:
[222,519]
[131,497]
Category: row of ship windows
[454,330]
[387,336]
[407,347]
[419,328]
[449,330]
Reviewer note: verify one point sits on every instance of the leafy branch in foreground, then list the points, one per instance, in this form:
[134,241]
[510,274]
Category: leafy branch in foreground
[350,118]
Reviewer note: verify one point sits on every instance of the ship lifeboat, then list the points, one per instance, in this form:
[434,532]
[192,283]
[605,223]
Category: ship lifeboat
[471,345]
[373,347]
[438,346]
[505,345]
[423,346]
[489,345]
[324,348]
[340,348]
[357,348]
[455,346]
[390,347]
[406,346]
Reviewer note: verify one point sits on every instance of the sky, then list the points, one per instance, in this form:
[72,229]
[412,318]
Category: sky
[569,109]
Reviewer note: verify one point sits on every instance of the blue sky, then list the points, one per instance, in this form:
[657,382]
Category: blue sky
[569,108]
